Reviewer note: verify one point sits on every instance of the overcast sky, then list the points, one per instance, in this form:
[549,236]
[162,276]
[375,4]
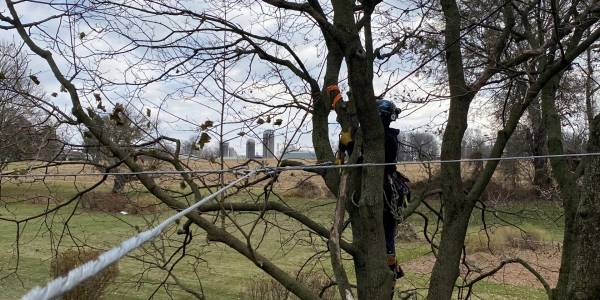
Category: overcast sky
[179,115]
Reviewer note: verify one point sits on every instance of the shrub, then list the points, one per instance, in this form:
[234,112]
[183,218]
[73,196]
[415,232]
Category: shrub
[305,188]
[92,288]
[531,239]
[502,238]
[270,289]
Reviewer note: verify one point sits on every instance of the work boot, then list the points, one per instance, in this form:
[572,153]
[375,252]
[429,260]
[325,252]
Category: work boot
[394,266]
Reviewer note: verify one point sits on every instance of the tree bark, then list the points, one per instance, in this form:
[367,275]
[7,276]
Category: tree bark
[566,181]
[541,178]
[590,88]
[456,211]
[118,184]
[584,282]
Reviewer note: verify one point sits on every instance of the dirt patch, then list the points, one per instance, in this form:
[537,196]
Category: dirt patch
[115,203]
[545,261]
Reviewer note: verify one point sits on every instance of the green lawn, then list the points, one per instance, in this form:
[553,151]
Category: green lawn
[221,272]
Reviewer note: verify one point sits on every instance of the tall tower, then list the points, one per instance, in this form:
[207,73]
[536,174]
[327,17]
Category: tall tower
[250,149]
[224,149]
[268,143]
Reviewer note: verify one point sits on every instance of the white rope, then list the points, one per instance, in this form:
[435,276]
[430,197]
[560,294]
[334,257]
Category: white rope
[61,285]
[327,165]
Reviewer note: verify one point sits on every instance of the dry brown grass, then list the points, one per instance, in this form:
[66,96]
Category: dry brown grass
[414,172]
[92,288]
[308,185]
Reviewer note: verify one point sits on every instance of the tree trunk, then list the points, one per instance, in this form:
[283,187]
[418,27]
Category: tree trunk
[374,280]
[118,184]
[584,282]
[590,88]
[446,267]
[565,179]
[456,210]
[541,178]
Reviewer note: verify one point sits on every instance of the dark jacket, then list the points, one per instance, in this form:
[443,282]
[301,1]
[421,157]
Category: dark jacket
[391,149]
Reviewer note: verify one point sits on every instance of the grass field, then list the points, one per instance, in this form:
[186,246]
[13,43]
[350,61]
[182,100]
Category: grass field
[221,272]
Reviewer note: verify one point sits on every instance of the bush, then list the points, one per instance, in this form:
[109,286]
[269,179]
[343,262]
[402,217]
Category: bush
[305,188]
[504,237]
[532,239]
[92,288]
[270,289]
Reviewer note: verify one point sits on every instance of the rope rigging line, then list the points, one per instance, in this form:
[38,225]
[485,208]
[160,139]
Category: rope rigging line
[325,165]
[61,285]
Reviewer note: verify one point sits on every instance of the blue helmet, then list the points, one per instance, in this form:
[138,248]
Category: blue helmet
[387,110]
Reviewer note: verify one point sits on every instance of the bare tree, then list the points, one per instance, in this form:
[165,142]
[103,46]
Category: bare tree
[26,131]
[457,205]
[418,146]
[124,128]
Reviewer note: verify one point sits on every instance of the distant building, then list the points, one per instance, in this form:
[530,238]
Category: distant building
[232,153]
[268,144]
[224,149]
[250,149]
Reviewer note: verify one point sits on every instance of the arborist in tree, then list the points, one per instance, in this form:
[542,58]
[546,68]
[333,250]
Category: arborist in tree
[396,191]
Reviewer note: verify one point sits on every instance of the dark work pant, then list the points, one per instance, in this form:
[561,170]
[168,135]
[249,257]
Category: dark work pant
[389,228]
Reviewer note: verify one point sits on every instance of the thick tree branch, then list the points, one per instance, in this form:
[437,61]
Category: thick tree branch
[286,210]
[334,240]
